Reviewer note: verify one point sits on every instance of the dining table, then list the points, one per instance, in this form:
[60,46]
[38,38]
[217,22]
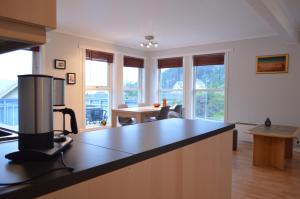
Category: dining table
[139,113]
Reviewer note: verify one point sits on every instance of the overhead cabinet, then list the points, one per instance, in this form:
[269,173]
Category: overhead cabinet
[24,23]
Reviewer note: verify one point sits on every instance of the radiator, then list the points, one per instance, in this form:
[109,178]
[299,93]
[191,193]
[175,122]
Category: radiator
[243,134]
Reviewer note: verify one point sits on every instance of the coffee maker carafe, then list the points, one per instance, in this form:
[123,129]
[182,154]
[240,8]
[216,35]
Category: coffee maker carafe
[37,94]
[59,100]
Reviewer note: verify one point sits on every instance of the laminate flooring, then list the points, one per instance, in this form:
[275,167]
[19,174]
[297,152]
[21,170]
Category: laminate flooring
[251,182]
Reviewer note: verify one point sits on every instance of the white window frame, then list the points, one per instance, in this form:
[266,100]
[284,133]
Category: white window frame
[97,88]
[170,90]
[210,90]
[139,88]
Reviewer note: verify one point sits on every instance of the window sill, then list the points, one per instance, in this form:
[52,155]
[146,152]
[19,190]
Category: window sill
[95,128]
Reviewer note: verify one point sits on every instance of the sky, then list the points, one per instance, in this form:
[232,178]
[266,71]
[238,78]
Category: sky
[15,63]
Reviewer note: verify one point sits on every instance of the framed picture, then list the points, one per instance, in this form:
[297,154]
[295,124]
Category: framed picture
[71,78]
[272,64]
[60,64]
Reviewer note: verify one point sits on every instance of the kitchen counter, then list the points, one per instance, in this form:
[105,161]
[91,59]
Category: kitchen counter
[96,153]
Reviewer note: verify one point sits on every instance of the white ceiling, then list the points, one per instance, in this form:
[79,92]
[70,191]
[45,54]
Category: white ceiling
[293,10]
[174,23]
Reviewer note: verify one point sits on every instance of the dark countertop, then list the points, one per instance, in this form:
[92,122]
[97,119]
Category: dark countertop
[98,152]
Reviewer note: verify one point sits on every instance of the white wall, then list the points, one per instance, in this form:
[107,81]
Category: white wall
[251,97]
[70,48]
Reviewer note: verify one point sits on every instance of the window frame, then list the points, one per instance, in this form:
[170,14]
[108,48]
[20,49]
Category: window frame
[139,88]
[224,90]
[170,90]
[107,88]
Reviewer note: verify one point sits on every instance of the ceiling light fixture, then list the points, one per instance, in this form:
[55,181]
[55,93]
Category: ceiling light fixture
[149,42]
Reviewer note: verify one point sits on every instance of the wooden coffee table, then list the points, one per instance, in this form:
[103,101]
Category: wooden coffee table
[272,145]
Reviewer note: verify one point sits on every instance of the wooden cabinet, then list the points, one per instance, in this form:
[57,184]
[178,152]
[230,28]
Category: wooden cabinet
[27,21]
[198,170]
[34,12]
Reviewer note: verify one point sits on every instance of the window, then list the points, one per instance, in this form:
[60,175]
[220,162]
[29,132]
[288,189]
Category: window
[132,80]
[209,87]
[132,87]
[97,87]
[12,64]
[171,80]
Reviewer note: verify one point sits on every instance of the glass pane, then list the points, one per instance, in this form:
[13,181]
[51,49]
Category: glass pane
[130,77]
[12,64]
[96,73]
[97,107]
[131,98]
[173,97]
[171,78]
[209,77]
[209,105]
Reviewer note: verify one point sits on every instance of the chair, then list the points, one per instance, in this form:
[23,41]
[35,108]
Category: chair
[176,113]
[95,115]
[163,114]
[124,121]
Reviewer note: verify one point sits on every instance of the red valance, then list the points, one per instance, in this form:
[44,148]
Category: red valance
[208,59]
[133,62]
[172,62]
[99,56]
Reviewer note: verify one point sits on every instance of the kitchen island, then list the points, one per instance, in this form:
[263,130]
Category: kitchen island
[174,158]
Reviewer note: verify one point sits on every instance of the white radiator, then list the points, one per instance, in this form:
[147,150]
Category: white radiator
[243,134]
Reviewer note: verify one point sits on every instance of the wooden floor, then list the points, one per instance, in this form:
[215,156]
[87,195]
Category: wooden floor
[255,182]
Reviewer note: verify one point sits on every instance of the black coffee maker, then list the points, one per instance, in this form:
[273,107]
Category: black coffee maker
[37,94]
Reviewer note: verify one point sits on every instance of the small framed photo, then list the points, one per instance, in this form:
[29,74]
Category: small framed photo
[60,64]
[71,78]
[272,64]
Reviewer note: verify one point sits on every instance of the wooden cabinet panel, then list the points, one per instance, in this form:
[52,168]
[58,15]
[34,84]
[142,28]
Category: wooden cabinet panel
[199,165]
[37,12]
[199,170]
[207,168]
[22,32]
[224,163]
